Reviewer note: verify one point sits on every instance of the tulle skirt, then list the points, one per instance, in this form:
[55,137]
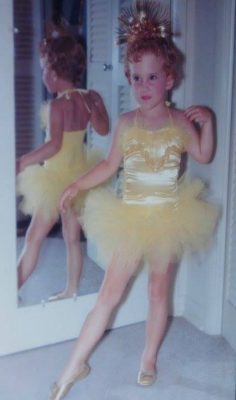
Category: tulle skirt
[41,187]
[138,231]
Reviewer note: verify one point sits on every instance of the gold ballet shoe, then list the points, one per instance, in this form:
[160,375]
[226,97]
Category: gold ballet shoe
[58,392]
[146,378]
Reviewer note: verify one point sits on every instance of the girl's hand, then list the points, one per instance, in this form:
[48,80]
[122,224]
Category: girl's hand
[67,196]
[198,114]
[200,125]
[99,117]
[94,99]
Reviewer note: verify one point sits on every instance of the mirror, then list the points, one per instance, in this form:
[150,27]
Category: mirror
[199,292]
[49,276]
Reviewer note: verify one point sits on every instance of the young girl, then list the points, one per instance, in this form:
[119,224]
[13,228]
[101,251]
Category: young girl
[160,214]
[44,173]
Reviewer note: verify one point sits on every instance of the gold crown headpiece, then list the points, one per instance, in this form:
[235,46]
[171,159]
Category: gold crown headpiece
[144,20]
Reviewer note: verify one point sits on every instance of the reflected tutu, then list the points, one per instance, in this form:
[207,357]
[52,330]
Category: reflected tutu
[42,185]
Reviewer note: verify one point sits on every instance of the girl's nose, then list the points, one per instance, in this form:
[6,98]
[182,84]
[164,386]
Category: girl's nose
[144,83]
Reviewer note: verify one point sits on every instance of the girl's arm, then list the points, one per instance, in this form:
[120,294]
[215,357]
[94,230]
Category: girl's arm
[99,117]
[50,148]
[98,174]
[201,144]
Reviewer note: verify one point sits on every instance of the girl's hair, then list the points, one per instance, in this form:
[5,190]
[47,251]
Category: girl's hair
[173,58]
[66,57]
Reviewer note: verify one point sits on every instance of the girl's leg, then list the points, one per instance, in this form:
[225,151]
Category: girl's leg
[71,233]
[158,290]
[37,231]
[109,296]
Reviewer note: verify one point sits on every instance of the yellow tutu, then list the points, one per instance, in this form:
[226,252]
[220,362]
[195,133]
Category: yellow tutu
[158,213]
[136,231]
[42,185]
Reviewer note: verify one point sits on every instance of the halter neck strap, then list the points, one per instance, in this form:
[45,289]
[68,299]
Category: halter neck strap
[67,93]
[170,117]
[138,117]
[82,92]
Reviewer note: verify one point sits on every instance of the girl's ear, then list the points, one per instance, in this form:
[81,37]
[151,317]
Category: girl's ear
[170,82]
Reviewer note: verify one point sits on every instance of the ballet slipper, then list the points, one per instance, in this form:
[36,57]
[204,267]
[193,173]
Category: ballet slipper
[58,392]
[61,296]
[146,378]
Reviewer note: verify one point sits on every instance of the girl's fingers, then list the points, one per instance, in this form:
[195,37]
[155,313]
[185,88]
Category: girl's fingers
[191,112]
[197,112]
[64,202]
[196,115]
[66,198]
[62,205]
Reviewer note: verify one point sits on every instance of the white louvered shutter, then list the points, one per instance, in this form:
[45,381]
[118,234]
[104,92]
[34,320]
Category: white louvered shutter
[105,63]
[28,88]
[99,44]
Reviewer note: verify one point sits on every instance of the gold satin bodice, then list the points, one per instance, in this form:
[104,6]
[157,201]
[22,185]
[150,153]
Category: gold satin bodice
[151,164]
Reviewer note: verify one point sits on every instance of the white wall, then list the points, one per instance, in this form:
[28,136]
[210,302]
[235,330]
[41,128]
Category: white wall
[209,73]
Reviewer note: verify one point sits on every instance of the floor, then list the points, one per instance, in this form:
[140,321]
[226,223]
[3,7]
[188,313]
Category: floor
[50,275]
[192,366]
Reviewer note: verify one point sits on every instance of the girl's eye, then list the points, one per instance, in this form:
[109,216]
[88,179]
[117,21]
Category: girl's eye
[153,77]
[135,78]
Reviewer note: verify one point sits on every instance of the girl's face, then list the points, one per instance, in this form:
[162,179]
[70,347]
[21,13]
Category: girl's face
[49,77]
[150,81]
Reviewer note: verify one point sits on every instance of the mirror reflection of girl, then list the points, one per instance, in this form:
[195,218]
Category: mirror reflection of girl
[159,215]
[44,173]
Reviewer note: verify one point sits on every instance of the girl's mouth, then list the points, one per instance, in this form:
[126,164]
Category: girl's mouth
[145,97]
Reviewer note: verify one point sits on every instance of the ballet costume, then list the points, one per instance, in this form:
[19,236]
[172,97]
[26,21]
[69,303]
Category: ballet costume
[158,212]
[41,186]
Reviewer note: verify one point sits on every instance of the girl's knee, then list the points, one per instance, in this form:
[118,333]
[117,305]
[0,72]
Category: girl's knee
[114,285]
[109,297]
[159,284]
[71,231]
[158,291]
[71,237]
[38,229]
[34,235]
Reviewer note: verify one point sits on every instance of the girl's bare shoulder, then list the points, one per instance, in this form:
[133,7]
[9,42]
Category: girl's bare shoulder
[68,105]
[179,118]
[57,103]
[56,112]
[127,118]
[177,114]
